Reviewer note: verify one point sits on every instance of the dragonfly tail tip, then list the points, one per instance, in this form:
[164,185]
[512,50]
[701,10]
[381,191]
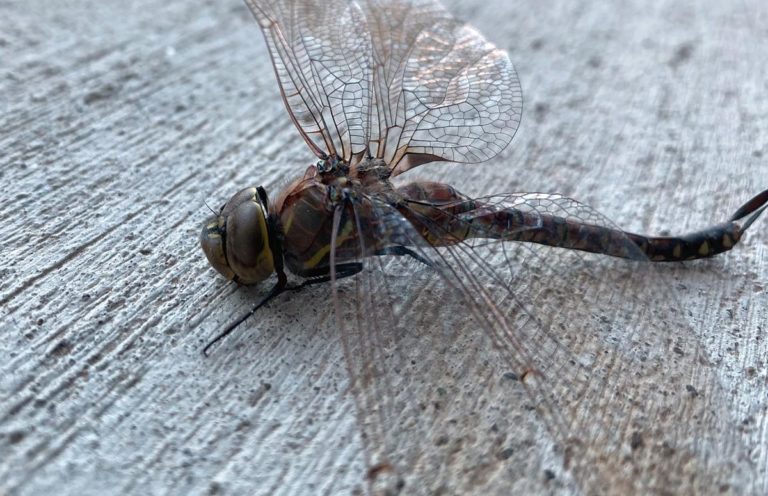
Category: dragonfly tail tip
[751,210]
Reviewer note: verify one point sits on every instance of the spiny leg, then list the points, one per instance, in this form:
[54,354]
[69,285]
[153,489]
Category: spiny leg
[275,291]
[342,271]
[404,251]
[352,268]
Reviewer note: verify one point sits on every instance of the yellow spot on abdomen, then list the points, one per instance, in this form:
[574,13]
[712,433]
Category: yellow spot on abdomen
[677,251]
[704,249]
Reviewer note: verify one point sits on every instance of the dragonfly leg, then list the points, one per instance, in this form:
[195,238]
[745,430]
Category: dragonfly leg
[352,268]
[275,291]
[342,271]
[404,251]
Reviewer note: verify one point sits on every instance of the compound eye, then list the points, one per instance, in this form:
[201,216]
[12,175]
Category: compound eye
[247,239]
[212,243]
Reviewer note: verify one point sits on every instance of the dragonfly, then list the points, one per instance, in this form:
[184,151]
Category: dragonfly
[375,89]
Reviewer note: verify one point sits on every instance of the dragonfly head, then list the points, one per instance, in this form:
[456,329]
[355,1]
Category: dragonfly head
[237,240]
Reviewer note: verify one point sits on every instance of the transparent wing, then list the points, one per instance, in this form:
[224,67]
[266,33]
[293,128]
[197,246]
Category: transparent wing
[403,81]
[501,359]
[321,55]
[442,91]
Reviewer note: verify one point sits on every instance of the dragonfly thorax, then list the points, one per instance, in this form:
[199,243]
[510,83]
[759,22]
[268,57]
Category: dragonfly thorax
[237,240]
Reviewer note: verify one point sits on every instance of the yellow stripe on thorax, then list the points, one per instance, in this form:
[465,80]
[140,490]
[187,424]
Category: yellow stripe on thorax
[322,252]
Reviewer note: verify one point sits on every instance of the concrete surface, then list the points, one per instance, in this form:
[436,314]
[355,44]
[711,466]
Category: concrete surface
[118,120]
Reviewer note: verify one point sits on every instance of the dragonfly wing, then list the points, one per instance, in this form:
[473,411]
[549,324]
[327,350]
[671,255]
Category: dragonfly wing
[403,81]
[579,370]
[441,91]
[424,431]
[321,55]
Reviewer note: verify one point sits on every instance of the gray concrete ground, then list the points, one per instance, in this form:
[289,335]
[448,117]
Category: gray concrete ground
[119,119]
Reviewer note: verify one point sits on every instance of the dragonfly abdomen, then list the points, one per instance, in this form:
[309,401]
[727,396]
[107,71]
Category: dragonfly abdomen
[701,244]
[617,243]
[536,227]
[445,217]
